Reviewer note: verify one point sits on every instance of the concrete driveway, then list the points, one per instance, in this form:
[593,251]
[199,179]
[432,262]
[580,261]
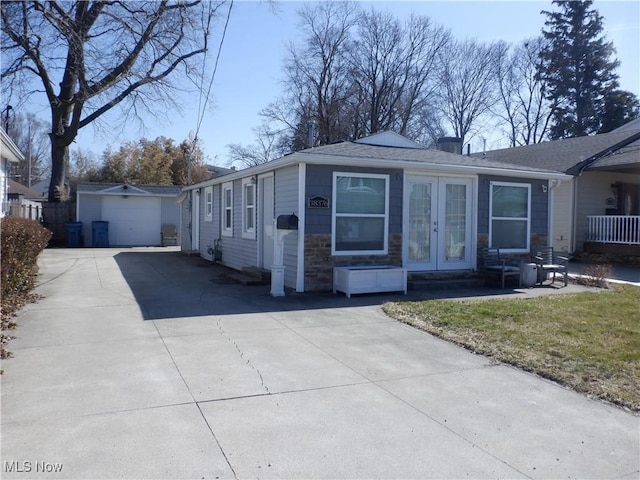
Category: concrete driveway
[143,363]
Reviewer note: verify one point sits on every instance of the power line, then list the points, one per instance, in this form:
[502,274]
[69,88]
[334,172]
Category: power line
[201,107]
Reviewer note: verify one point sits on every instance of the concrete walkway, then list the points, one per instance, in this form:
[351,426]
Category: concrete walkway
[143,363]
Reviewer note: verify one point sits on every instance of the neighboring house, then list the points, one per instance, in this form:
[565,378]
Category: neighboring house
[9,153]
[135,213]
[598,208]
[24,202]
[382,200]
[42,187]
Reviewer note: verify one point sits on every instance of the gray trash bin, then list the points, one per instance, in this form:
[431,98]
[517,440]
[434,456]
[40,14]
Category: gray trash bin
[528,274]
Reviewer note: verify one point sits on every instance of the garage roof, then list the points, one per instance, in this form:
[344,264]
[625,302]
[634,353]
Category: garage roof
[129,189]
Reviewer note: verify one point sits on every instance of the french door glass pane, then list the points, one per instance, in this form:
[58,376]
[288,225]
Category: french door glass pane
[455,221]
[420,223]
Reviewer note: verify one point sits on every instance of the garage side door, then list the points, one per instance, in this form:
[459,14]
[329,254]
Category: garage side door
[133,221]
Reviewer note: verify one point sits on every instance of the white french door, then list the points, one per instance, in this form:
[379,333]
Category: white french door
[437,223]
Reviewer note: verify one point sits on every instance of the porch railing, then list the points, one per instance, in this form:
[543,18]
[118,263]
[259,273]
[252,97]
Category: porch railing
[614,229]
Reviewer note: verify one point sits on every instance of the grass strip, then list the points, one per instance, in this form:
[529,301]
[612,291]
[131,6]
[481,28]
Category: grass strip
[588,341]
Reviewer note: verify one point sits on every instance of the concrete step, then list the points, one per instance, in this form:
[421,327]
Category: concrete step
[420,283]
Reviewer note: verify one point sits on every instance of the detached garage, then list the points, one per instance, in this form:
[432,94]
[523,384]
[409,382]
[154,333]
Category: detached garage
[136,213]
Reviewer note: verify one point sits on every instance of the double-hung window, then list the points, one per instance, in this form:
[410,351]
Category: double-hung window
[227,209]
[360,214]
[510,216]
[248,208]
[208,204]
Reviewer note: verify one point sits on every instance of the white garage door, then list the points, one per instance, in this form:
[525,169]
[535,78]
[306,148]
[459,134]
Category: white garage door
[132,220]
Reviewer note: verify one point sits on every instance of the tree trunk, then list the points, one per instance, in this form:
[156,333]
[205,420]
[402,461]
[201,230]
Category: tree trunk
[58,188]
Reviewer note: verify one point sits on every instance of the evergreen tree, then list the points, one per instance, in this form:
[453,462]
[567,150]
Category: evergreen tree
[578,69]
[620,107]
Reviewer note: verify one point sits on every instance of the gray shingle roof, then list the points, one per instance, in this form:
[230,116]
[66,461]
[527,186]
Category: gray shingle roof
[558,155]
[627,156]
[421,155]
[92,187]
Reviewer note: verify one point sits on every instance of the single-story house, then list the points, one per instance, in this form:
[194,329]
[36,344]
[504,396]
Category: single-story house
[381,200]
[135,213]
[9,153]
[598,208]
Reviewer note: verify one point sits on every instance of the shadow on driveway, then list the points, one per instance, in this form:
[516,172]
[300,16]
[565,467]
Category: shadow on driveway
[172,285]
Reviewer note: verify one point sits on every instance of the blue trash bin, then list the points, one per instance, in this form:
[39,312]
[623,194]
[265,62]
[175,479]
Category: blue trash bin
[100,233]
[73,232]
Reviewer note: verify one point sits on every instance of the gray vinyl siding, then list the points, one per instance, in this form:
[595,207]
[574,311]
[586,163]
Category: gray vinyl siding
[286,202]
[237,252]
[319,181]
[208,228]
[539,203]
[90,210]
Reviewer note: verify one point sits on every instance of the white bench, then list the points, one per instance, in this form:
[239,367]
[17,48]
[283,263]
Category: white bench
[369,279]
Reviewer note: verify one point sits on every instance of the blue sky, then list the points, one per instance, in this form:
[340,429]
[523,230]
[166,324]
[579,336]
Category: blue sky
[250,66]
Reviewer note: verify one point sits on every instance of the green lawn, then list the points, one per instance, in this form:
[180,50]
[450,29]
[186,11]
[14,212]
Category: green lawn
[588,341]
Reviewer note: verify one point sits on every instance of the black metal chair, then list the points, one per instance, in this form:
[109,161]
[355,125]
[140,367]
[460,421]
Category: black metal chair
[496,265]
[548,262]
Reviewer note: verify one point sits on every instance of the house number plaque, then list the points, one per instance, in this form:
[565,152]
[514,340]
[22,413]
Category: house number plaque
[318,202]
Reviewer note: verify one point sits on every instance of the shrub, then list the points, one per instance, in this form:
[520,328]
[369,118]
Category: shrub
[595,275]
[21,242]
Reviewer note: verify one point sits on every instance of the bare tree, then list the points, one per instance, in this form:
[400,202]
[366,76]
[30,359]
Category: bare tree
[354,73]
[394,69]
[268,146]
[522,103]
[317,71]
[91,56]
[468,86]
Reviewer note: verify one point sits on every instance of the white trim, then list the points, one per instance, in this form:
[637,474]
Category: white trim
[260,233]
[10,151]
[208,204]
[248,232]
[384,216]
[302,211]
[513,219]
[226,231]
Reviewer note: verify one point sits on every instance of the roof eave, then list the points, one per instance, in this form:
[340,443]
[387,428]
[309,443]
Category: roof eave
[346,160]
[12,152]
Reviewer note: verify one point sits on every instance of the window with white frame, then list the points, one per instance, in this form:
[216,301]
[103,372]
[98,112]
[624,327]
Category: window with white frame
[510,216]
[227,209]
[360,214]
[249,208]
[208,204]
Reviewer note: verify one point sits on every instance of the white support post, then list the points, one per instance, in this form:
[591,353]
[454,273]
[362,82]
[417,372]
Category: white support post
[277,269]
